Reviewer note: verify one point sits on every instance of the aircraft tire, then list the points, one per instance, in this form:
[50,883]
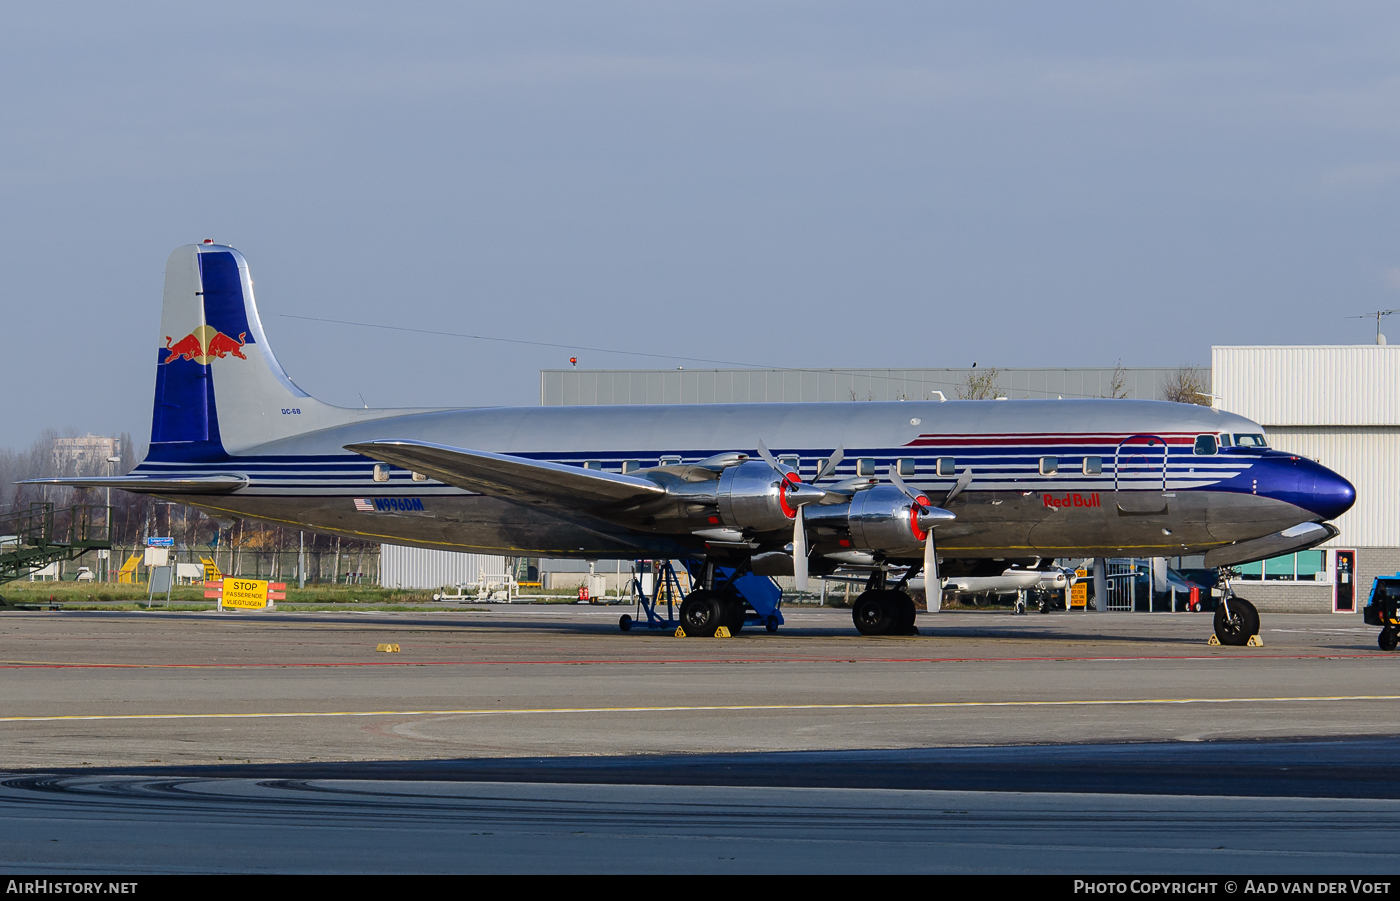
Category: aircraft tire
[734,610]
[1387,639]
[874,614]
[1250,611]
[702,612]
[905,611]
[1236,628]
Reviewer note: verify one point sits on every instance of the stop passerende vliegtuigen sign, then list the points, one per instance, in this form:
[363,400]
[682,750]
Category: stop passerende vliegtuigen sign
[245,594]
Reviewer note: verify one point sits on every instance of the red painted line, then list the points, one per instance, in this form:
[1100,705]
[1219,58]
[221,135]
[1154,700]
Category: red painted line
[672,660]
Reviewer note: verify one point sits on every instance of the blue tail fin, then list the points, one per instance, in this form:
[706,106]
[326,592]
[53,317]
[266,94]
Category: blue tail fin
[219,389]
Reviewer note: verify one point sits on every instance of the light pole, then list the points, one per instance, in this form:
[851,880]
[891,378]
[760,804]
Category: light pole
[111,471]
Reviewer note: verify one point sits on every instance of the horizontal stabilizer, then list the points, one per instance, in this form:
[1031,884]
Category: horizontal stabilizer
[199,485]
[1298,538]
[513,478]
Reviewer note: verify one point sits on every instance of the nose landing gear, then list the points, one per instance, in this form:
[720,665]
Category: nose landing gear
[1235,621]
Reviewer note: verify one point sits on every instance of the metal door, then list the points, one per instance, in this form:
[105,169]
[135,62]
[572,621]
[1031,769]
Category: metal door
[1344,592]
[1140,474]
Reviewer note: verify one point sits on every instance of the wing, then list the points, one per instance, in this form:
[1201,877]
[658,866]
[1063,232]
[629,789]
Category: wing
[1299,538]
[513,478]
[198,485]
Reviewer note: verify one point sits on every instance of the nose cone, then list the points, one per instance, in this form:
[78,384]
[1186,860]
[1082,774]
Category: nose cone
[799,494]
[1302,483]
[1331,494]
[934,516]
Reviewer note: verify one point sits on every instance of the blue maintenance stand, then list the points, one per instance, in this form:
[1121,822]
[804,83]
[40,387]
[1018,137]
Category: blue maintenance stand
[665,585]
[760,593]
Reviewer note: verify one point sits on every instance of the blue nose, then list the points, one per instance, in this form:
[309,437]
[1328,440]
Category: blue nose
[1302,483]
[1331,495]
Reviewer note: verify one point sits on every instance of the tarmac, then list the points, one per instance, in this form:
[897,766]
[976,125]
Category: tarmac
[533,738]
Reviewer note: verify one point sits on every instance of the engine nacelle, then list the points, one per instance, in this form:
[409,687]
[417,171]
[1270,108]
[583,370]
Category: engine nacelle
[757,497]
[881,519]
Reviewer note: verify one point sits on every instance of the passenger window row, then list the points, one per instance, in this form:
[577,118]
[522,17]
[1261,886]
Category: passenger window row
[1205,445]
[865,466]
[1089,466]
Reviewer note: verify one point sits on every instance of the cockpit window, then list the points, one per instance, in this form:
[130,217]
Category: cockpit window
[1205,445]
[1224,439]
[1250,441]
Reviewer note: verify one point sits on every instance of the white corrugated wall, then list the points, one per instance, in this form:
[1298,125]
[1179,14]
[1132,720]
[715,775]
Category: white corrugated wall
[1370,459]
[415,567]
[1327,385]
[1337,404]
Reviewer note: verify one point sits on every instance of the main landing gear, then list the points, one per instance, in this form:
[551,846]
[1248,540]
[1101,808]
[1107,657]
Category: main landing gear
[703,611]
[885,611]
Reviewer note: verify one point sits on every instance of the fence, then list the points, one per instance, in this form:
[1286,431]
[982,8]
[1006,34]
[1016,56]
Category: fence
[352,566]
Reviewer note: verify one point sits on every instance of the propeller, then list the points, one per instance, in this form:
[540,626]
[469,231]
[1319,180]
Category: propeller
[927,517]
[797,496]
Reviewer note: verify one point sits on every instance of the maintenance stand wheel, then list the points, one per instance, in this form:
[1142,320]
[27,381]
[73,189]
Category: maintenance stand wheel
[1387,638]
[874,614]
[702,612]
[625,624]
[771,624]
[1236,627]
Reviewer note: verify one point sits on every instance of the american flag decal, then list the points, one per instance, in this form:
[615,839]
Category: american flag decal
[363,505]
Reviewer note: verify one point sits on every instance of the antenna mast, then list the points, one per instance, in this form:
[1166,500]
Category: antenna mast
[1379,314]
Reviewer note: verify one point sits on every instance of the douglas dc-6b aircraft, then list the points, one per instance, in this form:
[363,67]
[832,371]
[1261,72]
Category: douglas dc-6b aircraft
[961,487]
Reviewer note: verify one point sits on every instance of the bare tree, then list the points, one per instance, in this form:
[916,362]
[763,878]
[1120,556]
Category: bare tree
[1118,385]
[980,385]
[1187,385]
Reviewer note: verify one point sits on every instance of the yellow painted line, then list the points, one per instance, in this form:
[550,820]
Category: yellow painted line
[720,708]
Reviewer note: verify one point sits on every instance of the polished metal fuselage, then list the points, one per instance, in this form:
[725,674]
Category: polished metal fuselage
[1153,494]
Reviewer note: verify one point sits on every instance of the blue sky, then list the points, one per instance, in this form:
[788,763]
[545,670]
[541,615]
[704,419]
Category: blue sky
[784,184]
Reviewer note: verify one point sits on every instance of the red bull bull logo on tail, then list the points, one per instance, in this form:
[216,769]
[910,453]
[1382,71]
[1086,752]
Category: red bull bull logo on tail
[204,344]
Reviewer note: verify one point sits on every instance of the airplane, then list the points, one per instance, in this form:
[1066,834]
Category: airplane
[800,489]
[1011,581]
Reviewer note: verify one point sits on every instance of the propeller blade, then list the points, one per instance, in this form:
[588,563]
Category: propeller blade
[899,483]
[832,462]
[767,455]
[933,589]
[799,553]
[963,481]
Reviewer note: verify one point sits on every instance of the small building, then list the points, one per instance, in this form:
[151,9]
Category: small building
[413,567]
